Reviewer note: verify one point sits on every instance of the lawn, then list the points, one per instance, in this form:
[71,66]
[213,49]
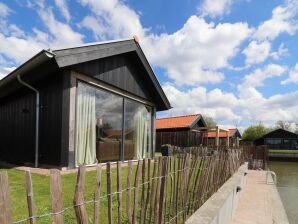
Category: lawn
[283,151]
[41,187]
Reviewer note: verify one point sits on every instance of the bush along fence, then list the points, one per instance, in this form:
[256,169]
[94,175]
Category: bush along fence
[161,190]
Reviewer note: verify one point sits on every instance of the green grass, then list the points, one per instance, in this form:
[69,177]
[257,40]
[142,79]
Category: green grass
[41,188]
[283,151]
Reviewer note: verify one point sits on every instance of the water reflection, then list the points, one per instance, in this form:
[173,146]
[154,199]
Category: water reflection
[287,184]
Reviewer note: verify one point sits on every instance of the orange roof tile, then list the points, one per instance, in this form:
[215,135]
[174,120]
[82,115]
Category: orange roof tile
[222,133]
[176,122]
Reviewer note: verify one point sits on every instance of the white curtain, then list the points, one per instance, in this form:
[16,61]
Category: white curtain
[85,127]
[141,134]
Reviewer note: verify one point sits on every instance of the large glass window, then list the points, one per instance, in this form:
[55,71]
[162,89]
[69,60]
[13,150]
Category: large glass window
[138,130]
[99,127]
[109,112]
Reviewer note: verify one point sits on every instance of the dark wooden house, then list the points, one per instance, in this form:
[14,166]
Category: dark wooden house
[80,105]
[279,139]
[183,131]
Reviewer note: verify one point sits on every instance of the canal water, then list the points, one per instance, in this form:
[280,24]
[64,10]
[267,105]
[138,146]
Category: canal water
[287,185]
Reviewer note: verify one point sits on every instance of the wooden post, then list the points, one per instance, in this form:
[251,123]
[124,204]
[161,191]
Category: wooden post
[143,191]
[56,195]
[97,194]
[79,202]
[128,197]
[228,139]
[119,189]
[109,192]
[148,189]
[162,190]
[5,214]
[30,200]
[136,194]
[157,197]
[152,189]
[217,138]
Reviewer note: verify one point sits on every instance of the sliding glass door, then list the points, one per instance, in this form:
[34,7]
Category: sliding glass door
[110,127]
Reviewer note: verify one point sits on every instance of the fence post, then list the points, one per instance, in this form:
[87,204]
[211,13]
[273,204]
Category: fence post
[5,214]
[136,193]
[97,194]
[119,189]
[30,200]
[143,191]
[79,202]
[56,195]
[162,189]
[109,192]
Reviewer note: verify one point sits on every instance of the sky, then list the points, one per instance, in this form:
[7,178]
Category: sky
[233,60]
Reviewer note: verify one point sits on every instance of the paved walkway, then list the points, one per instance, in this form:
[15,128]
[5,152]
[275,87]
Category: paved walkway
[259,202]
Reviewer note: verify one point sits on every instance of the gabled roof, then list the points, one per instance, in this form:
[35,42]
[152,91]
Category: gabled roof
[279,133]
[185,121]
[65,57]
[224,134]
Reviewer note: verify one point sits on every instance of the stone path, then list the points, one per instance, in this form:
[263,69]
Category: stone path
[259,202]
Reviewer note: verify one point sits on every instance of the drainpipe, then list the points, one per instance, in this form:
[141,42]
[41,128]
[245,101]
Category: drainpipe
[36,119]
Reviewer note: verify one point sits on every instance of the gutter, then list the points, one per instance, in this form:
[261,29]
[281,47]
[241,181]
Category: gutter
[36,118]
[18,73]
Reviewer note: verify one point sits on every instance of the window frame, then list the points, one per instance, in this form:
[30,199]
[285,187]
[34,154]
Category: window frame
[125,96]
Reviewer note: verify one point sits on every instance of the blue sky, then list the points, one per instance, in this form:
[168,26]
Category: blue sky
[233,60]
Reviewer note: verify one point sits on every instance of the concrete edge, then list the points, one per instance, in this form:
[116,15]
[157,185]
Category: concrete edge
[279,214]
[209,211]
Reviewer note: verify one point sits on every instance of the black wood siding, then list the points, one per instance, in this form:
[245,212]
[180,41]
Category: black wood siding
[17,120]
[122,71]
[17,124]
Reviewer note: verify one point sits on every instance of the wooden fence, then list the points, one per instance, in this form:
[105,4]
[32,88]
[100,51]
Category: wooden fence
[162,190]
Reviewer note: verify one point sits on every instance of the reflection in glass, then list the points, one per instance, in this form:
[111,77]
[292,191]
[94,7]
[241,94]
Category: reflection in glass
[108,125]
[138,130]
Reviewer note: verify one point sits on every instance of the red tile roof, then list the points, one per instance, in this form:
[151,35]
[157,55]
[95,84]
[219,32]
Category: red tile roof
[222,133]
[176,122]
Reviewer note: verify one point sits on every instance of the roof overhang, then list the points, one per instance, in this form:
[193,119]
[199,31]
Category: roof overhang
[70,56]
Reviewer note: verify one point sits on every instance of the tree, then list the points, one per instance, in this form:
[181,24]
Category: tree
[286,125]
[254,132]
[210,121]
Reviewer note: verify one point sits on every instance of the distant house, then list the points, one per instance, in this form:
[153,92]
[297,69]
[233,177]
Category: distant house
[80,105]
[226,137]
[184,131]
[279,139]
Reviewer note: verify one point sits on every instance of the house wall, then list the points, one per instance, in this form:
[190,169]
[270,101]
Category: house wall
[122,71]
[182,138]
[17,124]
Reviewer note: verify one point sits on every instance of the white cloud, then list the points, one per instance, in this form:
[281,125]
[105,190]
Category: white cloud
[4,10]
[62,33]
[93,24]
[215,8]
[194,53]
[257,52]
[257,77]
[293,76]
[281,51]
[215,103]
[282,21]
[62,5]
[117,20]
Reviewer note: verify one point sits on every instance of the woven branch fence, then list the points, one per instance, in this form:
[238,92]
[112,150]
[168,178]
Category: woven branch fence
[162,190]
